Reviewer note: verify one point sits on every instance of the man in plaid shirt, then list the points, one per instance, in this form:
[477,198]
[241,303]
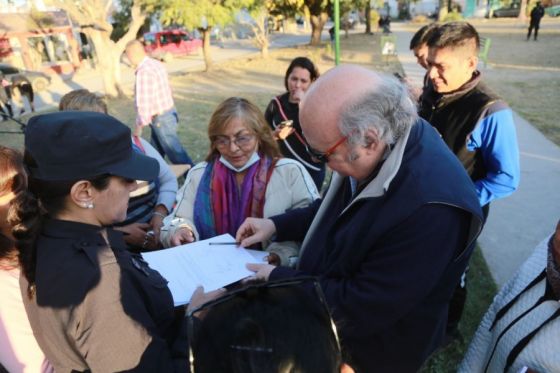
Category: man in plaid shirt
[154,104]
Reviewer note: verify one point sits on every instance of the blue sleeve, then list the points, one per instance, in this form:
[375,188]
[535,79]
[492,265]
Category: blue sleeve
[495,136]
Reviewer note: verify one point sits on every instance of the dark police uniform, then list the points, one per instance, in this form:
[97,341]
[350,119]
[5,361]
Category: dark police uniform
[100,308]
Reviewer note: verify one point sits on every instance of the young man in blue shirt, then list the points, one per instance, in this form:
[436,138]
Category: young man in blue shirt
[475,124]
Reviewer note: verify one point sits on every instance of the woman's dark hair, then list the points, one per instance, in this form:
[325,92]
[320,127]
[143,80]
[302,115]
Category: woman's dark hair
[304,63]
[42,198]
[282,329]
[13,179]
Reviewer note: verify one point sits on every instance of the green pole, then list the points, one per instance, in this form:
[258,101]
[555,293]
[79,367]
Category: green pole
[336,32]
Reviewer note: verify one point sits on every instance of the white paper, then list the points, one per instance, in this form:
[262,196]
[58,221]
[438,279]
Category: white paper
[258,255]
[199,263]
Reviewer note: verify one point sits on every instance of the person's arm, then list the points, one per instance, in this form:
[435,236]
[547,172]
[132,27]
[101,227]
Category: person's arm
[269,113]
[114,330]
[293,225]
[398,273]
[496,137]
[144,97]
[167,181]
[181,219]
[301,191]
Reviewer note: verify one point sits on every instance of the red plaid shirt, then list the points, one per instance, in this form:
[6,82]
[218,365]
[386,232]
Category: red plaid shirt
[152,91]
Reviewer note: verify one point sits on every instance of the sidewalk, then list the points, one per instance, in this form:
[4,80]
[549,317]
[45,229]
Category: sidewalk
[516,224]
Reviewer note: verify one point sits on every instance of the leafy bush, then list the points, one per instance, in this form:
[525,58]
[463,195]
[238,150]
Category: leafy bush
[453,16]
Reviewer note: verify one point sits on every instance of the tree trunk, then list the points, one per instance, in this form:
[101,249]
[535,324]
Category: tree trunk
[523,11]
[206,48]
[260,29]
[317,24]
[106,66]
[443,10]
[93,20]
[367,11]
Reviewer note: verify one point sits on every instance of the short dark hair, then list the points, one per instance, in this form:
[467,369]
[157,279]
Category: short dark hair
[453,35]
[422,35]
[82,100]
[304,63]
[266,330]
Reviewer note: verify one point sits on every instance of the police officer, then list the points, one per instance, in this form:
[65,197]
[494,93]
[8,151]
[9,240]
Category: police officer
[92,305]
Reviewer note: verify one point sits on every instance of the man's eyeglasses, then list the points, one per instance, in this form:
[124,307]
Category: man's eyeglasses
[301,282]
[324,157]
[241,141]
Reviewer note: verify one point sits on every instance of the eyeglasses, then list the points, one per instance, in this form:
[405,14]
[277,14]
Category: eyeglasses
[324,157]
[240,141]
[286,283]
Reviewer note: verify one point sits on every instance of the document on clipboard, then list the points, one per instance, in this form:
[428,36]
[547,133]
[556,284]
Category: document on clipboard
[212,263]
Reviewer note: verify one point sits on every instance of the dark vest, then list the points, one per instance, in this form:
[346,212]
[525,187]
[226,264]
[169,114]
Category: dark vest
[455,117]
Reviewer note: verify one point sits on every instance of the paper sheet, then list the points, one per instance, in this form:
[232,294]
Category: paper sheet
[199,263]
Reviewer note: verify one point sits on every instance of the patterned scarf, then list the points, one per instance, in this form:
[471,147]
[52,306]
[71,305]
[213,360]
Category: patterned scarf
[220,206]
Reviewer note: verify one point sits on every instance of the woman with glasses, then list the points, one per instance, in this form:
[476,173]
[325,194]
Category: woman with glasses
[243,176]
[282,114]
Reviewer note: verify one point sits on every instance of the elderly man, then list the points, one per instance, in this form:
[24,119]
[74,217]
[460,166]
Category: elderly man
[154,104]
[395,230]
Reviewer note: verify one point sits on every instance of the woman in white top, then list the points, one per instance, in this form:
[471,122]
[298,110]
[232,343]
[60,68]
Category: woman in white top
[19,351]
[243,176]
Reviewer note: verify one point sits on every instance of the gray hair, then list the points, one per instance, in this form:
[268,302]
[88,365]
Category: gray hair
[388,109]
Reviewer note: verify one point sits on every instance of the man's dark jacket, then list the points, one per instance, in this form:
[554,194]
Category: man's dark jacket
[389,257]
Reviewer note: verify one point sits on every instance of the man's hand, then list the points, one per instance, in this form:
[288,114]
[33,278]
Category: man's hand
[254,230]
[182,236]
[262,271]
[135,233]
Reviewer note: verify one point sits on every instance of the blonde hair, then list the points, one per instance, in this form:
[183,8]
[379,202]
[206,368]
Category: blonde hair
[252,118]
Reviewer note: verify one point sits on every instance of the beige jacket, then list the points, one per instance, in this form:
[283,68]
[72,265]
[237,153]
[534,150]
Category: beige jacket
[290,187]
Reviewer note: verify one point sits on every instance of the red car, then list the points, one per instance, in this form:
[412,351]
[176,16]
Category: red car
[164,45]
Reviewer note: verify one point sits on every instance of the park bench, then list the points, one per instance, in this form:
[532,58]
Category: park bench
[484,49]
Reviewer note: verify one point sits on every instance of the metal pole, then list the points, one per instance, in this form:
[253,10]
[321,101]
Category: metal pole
[337,32]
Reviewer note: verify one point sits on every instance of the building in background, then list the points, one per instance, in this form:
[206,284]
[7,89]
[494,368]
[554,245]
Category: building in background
[36,38]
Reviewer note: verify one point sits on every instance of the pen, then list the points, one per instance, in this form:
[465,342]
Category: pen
[224,243]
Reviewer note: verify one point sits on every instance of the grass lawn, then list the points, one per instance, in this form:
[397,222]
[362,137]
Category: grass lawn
[197,94]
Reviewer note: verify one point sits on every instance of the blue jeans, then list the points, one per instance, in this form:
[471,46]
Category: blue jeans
[165,140]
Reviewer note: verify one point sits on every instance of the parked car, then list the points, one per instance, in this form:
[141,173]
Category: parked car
[553,11]
[511,11]
[39,80]
[164,45]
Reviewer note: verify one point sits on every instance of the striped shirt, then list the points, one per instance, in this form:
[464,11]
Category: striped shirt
[152,91]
